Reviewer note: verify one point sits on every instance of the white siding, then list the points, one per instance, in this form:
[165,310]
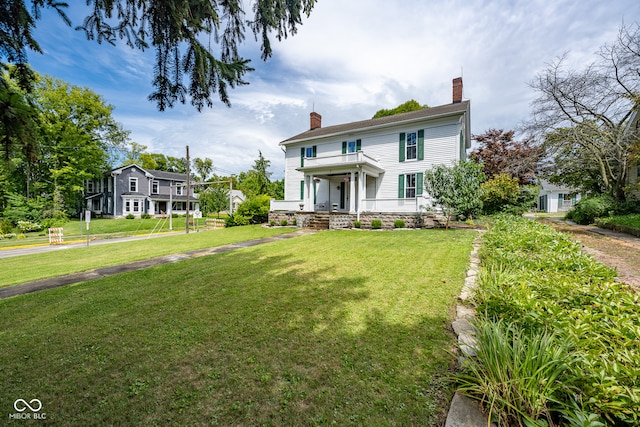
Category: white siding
[441,146]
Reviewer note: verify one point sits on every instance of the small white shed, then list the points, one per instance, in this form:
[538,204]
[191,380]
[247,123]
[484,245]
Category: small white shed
[554,198]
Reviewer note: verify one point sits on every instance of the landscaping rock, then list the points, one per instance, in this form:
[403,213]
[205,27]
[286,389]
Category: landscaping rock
[465,412]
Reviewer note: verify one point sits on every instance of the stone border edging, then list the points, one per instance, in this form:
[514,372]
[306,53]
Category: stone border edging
[464,411]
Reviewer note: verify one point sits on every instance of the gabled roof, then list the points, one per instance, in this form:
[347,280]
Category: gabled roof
[168,175]
[412,116]
[171,176]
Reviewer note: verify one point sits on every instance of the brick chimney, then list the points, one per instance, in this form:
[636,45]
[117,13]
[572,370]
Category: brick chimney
[315,120]
[457,90]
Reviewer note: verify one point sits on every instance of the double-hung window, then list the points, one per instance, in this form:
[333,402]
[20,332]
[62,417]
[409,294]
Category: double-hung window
[308,152]
[179,190]
[155,185]
[133,185]
[351,146]
[410,185]
[412,146]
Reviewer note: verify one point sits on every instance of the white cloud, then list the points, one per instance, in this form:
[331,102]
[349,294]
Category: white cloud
[350,59]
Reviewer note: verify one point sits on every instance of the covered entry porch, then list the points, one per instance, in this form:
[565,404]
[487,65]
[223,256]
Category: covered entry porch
[339,187]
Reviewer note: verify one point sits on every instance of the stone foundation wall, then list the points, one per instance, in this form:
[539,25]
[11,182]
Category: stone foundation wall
[339,220]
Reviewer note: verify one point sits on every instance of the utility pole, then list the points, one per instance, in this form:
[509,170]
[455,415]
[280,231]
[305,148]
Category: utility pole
[188,188]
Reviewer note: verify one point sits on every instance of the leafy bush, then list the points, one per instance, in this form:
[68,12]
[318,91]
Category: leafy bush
[284,223]
[130,216]
[628,207]
[631,220]
[398,223]
[357,224]
[236,220]
[376,224]
[26,226]
[272,223]
[6,226]
[537,280]
[588,209]
[255,209]
[145,216]
[498,193]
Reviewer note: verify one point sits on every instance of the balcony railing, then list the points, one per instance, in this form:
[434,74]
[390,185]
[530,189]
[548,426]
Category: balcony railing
[348,159]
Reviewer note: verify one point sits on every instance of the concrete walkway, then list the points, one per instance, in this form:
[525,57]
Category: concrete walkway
[55,282]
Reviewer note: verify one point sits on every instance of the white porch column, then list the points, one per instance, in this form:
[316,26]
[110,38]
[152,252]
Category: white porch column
[352,193]
[308,196]
[362,190]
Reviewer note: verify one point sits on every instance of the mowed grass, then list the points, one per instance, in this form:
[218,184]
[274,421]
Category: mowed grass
[103,228]
[344,328]
[26,268]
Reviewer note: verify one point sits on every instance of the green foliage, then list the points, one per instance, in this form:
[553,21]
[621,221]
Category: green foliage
[27,226]
[145,216]
[357,224]
[5,226]
[539,280]
[398,223]
[186,67]
[456,188]
[503,193]
[376,224]
[411,105]
[284,223]
[254,210]
[499,193]
[519,375]
[588,209]
[632,221]
[130,216]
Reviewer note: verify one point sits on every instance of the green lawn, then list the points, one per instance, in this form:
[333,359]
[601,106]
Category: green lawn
[19,269]
[104,229]
[344,328]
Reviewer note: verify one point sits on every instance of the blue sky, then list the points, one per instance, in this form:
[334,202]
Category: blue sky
[348,60]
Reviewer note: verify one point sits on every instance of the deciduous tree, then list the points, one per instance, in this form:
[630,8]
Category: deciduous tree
[499,153]
[455,188]
[584,114]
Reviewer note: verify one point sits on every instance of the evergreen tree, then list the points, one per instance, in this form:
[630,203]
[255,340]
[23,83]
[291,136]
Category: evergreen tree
[180,33]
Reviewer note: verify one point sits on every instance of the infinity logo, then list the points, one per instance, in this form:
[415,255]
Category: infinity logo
[21,405]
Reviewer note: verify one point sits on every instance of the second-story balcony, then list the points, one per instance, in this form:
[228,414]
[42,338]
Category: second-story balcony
[341,163]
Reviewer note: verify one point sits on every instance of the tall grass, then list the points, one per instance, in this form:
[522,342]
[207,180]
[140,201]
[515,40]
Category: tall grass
[538,282]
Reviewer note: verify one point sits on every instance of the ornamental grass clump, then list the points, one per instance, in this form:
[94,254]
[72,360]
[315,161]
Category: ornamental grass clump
[536,282]
[518,376]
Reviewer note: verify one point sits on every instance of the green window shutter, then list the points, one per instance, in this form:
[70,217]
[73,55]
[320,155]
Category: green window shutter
[358,145]
[315,151]
[421,144]
[344,147]
[302,157]
[400,186]
[302,190]
[419,183]
[402,147]
[314,193]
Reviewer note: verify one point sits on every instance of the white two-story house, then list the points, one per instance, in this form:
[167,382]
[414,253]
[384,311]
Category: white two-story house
[373,165]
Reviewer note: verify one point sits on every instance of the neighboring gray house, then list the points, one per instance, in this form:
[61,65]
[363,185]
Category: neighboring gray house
[553,198]
[133,190]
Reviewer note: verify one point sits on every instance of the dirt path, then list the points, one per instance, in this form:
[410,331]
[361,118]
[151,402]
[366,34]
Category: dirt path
[617,250]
